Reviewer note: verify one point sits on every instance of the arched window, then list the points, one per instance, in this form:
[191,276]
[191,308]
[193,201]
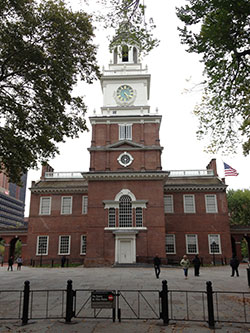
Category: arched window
[125,212]
[125,53]
[115,55]
[135,57]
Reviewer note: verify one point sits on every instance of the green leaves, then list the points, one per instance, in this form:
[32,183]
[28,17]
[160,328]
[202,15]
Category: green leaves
[44,48]
[223,41]
[239,206]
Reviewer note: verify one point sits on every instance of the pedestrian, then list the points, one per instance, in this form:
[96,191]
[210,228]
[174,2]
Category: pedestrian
[234,263]
[196,262]
[157,264]
[185,263]
[10,263]
[19,263]
[63,260]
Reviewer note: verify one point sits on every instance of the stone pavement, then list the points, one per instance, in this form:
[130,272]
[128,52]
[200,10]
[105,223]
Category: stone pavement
[117,279]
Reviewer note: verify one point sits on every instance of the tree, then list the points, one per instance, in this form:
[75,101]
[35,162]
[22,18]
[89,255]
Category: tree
[219,31]
[239,206]
[127,17]
[44,49]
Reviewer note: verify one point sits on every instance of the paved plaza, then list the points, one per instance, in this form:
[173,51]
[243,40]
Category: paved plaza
[127,278]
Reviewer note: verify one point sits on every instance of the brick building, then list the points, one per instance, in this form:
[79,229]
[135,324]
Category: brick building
[126,209]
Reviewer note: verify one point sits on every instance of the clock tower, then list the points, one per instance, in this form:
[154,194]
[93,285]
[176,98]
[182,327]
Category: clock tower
[125,181]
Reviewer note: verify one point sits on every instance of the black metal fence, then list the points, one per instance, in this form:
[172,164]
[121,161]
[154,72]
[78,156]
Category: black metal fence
[167,305]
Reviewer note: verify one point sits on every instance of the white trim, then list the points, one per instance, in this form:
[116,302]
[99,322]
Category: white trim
[83,253]
[214,203]
[40,207]
[47,245]
[194,236]
[168,206]
[187,209]
[125,192]
[59,245]
[62,202]
[119,159]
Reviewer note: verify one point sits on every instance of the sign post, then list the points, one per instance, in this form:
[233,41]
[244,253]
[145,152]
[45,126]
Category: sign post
[103,299]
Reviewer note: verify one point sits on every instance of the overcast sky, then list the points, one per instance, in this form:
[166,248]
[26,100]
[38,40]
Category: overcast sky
[173,71]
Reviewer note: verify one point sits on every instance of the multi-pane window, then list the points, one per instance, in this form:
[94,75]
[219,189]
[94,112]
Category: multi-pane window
[111,217]
[189,203]
[45,205]
[125,212]
[191,244]
[125,132]
[170,244]
[84,204]
[66,205]
[138,217]
[42,245]
[64,244]
[168,204]
[211,203]
[214,244]
[83,244]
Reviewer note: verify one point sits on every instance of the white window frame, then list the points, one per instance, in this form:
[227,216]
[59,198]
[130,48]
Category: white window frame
[168,203]
[62,205]
[188,237]
[125,131]
[174,243]
[37,245]
[208,204]
[84,204]
[59,245]
[83,243]
[186,207]
[109,217]
[138,216]
[211,238]
[41,208]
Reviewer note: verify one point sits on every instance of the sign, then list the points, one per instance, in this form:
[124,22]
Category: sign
[102,299]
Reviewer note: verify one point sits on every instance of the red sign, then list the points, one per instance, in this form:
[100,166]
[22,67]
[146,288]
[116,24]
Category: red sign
[110,298]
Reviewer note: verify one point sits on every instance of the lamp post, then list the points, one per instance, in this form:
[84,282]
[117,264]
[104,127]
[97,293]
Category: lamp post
[213,245]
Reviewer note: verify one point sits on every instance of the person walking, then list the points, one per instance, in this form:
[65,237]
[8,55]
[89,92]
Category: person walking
[196,262]
[10,263]
[63,260]
[185,263]
[157,264]
[234,263]
[19,263]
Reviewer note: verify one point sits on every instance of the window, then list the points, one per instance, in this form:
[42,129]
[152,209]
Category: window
[84,204]
[83,244]
[111,217]
[66,205]
[189,204]
[125,212]
[191,244]
[125,132]
[45,205]
[211,203]
[214,244]
[170,244]
[138,217]
[64,244]
[125,53]
[42,245]
[168,204]
[135,55]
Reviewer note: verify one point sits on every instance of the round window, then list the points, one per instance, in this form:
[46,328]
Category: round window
[125,159]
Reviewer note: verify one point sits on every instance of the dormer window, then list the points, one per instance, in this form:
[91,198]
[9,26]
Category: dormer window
[125,53]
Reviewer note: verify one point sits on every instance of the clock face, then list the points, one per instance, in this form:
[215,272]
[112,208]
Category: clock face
[125,93]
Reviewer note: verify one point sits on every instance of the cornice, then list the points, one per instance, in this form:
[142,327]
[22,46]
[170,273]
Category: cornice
[132,148]
[44,190]
[154,175]
[115,119]
[194,188]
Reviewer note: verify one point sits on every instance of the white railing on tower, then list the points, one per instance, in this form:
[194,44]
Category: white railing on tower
[191,173]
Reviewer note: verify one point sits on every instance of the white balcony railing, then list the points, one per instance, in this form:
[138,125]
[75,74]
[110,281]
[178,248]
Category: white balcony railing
[191,173]
[57,175]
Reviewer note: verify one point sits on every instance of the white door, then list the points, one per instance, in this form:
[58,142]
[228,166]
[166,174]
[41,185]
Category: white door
[125,252]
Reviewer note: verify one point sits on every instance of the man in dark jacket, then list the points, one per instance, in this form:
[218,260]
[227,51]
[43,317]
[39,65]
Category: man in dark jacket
[157,264]
[196,262]
[234,263]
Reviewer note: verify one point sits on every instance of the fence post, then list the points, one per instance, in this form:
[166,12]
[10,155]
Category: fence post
[69,302]
[248,276]
[164,303]
[26,297]
[210,305]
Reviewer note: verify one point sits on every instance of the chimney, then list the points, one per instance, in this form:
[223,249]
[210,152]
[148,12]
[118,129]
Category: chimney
[212,166]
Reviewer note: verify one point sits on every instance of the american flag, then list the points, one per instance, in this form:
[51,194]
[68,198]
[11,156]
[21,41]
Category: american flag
[229,171]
